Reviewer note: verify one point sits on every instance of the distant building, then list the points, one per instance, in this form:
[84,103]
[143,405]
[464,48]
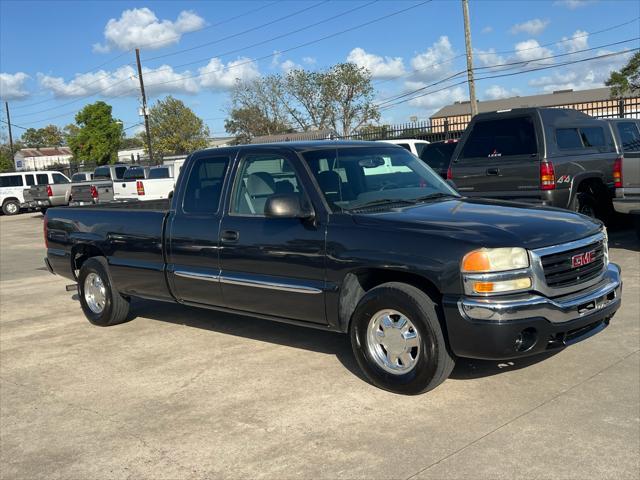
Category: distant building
[42,158]
[296,136]
[214,142]
[131,155]
[596,102]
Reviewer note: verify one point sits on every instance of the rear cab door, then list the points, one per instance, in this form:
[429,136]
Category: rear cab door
[499,157]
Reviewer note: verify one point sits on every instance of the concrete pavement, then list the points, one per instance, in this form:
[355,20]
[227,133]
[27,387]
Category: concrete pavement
[186,393]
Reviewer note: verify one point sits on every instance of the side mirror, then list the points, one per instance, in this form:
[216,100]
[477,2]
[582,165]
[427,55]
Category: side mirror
[287,205]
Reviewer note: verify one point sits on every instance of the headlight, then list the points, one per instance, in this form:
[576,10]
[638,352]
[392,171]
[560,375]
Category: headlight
[489,260]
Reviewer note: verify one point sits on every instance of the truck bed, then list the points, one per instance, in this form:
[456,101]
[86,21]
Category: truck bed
[150,205]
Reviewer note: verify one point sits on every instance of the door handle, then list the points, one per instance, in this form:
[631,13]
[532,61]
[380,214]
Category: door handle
[493,171]
[230,236]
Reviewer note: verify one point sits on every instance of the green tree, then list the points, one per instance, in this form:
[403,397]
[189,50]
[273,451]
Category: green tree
[131,142]
[98,135]
[627,80]
[49,136]
[341,98]
[6,160]
[175,129]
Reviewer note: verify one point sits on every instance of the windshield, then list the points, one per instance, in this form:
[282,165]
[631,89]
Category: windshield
[133,174]
[438,155]
[357,177]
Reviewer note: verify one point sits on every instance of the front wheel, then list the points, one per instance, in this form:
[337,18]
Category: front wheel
[101,303]
[398,341]
[11,207]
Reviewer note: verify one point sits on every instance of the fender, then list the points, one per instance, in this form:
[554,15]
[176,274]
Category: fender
[578,179]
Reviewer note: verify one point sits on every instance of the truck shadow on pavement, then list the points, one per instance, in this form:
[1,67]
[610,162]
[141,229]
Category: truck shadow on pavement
[331,343]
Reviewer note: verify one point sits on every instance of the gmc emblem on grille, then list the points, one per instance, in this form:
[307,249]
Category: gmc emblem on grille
[583,259]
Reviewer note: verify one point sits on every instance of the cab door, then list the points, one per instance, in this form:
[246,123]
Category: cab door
[272,266]
[499,158]
[193,260]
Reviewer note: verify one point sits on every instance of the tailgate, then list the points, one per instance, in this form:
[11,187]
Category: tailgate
[81,193]
[122,189]
[39,192]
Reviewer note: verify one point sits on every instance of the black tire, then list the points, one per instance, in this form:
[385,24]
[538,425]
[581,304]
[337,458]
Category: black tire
[586,204]
[116,307]
[11,207]
[433,364]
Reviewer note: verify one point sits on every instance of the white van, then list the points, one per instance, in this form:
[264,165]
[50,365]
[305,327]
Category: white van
[12,186]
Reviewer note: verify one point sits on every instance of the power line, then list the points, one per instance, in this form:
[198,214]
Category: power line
[228,37]
[597,57]
[148,44]
[558,42]
[302,45]
[519,63]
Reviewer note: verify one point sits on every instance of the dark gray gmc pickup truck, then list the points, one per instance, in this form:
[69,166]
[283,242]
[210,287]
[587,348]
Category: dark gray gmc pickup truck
[354,237]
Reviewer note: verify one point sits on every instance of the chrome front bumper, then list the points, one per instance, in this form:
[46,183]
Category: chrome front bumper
[606,294]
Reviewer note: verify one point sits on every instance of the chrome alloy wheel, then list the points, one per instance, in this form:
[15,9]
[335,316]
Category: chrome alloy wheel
[94,292]
[393,342]
[12,208]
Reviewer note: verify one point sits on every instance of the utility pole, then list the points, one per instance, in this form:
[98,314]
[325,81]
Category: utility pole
[6,104]
[145,112]
[467,41]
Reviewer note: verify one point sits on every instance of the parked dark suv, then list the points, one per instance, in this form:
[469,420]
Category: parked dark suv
[556,157]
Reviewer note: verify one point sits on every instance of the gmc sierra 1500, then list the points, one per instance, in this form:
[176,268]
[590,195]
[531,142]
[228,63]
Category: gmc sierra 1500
[355,237]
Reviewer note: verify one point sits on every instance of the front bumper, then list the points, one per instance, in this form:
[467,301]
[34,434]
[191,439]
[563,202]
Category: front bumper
[520,325]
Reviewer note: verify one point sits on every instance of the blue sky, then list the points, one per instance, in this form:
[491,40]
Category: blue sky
[57,56]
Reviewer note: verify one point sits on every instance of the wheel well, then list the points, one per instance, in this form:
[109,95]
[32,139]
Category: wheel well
[8,199]
[356,284]
[81,253]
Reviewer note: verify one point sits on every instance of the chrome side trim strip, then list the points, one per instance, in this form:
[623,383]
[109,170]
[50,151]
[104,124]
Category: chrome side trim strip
[197,276]
[230,280]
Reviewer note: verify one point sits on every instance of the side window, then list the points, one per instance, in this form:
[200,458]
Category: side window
[58,178]
[501,138]
[258,178]
[592,136]
[11,181]
[120,172]
[568,138]
[405,146]
[629,135]
[30,179]
[204,186]
[42,178]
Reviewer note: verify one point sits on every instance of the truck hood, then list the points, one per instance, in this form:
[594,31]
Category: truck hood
[487,223]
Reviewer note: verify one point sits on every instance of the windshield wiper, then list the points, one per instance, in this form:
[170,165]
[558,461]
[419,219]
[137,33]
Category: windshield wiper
[433,196]
[381,202]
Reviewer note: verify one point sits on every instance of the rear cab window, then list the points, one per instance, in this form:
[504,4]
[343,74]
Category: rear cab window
[134,174]
[505,137]
[159,173]
[204,186]
[438,155]
[102,173]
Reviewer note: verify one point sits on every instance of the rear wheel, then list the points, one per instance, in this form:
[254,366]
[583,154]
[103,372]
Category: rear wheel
[11,207]
[585,203]
[101,303]
[397,339]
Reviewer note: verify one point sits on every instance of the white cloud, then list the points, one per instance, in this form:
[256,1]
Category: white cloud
[12,85]
[433,63]
[437,100]
[121,82]
[495,92]
[289,65]
[218,76]
[309,60]
[488,57]
[380,67]
[140,27]
[581,76]
[487,29]
[578,41]
[531,27]
[530,50]
[572,4]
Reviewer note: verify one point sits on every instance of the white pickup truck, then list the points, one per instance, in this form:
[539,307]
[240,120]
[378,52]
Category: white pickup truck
[157,183]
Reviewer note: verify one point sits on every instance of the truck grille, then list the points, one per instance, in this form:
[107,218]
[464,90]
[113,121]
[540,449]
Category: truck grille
[560,271]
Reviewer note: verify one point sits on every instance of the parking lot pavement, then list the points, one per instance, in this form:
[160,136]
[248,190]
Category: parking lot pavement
[184,393]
